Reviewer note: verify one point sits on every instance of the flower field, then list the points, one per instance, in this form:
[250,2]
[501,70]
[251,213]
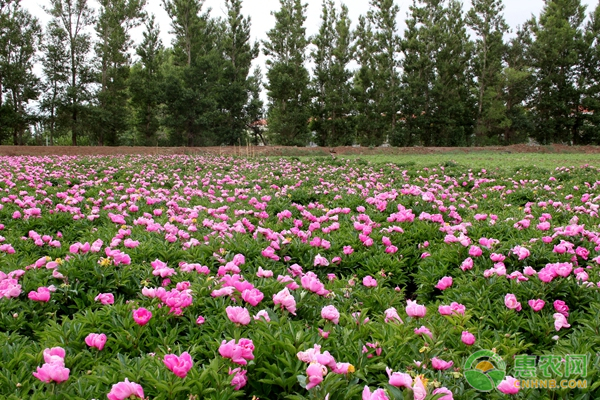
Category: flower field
[190,277]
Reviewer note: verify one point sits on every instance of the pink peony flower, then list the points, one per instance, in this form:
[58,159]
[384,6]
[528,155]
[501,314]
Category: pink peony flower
[378,394]
[391,314]
[42,294]
[399,379]
[252,296]
[141,316]
[239,379]
[510,300]
[537,305]
[443,390]
[467,264]
[315,373]
[509,385]
[179,365]
[200,320]
[285,299]
[239,353]
[55,355]
[467,338]
[560,321]
[50,372]
[125,390]
[475,251]
[441,365]
[96,340]
[418,388]
[423,331]
[369,281]
[105,298]
[444,283]
[561,307]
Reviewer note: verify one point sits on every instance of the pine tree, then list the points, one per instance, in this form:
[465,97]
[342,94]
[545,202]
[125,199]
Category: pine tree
[557,60]
[382,17]
[74,17]
[55,61]
[193,75]
[331,83]
[254,110]
[21,36]
[590,84]
[116,19]
[369,122]
[145,84]
[516,87]
[288,79]
[486,19]
[235,86]
[437,103]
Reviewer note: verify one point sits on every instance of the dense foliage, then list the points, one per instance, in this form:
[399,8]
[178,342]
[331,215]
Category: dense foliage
[218,278]
[451,78]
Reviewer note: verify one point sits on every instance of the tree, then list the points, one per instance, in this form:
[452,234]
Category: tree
[193,74]
[55,61]
[437,106]
[254,110]
[74,17]
[116,18]
[235,85]
[21,36]
[145,83]
[369,122]
[331,83]
[486,19]
[382,16]
[288,79]
[515,89]
[590,83]
[557,60]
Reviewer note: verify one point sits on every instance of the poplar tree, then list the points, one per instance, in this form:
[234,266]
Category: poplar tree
[288,79]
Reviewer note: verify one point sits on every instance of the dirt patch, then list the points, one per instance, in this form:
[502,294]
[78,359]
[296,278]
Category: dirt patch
[253,151]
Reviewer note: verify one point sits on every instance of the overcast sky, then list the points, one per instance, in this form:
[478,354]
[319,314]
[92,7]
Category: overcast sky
[516,12]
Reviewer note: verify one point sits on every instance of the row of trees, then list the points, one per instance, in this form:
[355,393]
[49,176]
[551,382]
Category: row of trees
[451,78]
